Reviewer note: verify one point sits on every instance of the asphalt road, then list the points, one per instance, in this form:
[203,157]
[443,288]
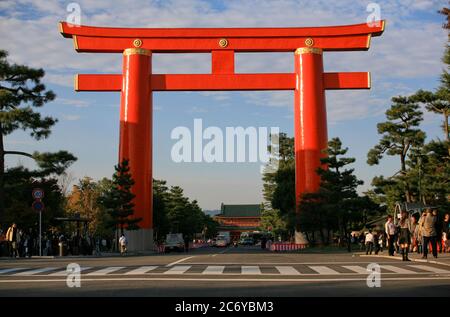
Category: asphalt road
[231,272]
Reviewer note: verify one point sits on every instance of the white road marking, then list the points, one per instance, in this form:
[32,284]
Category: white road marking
[179,269]
[141,270]
[250,270]
[323,270]
[179,261]
[64,273]
[429,269]
[287,270]
[36,271]
[3,271]
[214,269]
[356,268]
[106,270]
[397,269]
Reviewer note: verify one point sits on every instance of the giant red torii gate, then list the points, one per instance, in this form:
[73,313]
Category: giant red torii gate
[137,82]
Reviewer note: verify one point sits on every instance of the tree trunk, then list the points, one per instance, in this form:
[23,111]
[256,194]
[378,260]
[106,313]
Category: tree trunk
[407,191]
[2,179]
[446,129]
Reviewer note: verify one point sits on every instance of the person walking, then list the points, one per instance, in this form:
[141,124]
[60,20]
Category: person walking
[11,237]
[376,242]
[389,229]
[123,244]
[429,233]
[405,235]
[369,242]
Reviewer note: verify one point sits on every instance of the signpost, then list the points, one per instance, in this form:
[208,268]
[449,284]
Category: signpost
[38,206]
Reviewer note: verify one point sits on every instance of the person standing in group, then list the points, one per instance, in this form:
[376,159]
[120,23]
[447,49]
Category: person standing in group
[389,229]
[429,233]
[123,244]
[11,237]
[376,242]
[405,235]
[369,242]
[446,233]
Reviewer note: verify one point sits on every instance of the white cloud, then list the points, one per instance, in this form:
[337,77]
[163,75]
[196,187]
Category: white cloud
[408,49]
[73,102]
[71,117]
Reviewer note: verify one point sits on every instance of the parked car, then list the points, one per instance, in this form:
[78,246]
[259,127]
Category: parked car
[174,241]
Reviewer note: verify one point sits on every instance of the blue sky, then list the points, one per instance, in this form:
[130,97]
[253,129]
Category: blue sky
[404,59]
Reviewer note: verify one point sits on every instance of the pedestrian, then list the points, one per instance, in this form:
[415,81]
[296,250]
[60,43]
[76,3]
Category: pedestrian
[376,242]
[446,232]
[405,235]
[369,242]
[123,244]
[11,237]
[389,229]
[429,233]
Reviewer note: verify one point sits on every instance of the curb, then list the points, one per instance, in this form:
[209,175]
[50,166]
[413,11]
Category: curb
[412,260]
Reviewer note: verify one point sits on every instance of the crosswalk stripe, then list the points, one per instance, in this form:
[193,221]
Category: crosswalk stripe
[397,269]
[323,270]
[219,269]
[287,270]
[429,269]
[36,271]
[64,272]
[141,270]
[214,269]
[356,268]
[250,270]
[3,271]
[106,270]
[178,269]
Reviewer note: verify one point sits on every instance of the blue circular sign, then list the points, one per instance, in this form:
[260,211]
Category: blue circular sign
[38,193]
[38,205]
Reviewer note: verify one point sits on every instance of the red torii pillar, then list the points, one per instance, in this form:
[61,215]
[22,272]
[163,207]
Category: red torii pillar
[137,82]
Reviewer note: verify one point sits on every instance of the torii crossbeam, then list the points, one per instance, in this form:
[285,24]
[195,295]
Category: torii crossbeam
[137,82]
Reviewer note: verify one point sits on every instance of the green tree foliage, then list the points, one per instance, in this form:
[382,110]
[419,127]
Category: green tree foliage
[278,212]
[19,183]
[21,90]
[118,201]
[175,213]
[337,205]
[160,220]
[400,135]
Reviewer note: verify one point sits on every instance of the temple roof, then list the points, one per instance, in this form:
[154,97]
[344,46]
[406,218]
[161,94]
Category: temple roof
[249,210]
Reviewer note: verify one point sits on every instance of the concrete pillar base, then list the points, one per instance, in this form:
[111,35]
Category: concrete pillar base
[140,240]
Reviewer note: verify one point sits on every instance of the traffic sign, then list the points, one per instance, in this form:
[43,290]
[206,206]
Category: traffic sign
[38,193]
[38,205]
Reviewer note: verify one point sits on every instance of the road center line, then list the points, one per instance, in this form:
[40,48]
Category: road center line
[179,261]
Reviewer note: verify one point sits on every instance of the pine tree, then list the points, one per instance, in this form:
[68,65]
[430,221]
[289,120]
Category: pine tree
[337,205]
[118,201]
[400,134]
[21,90]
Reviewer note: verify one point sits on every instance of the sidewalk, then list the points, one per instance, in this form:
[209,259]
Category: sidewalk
[442,259]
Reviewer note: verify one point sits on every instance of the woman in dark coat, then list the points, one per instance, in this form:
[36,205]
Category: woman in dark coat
[405,235]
